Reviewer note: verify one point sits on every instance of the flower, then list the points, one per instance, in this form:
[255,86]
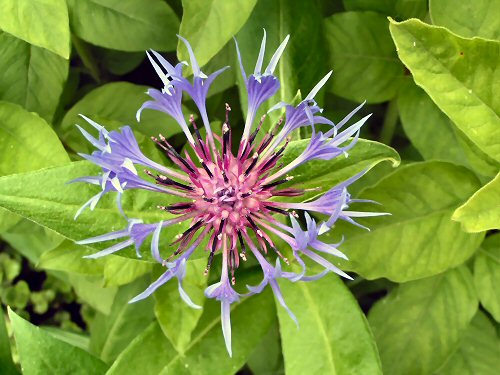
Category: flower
[233,200]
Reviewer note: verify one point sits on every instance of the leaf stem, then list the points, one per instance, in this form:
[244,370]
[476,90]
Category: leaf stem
[390,121]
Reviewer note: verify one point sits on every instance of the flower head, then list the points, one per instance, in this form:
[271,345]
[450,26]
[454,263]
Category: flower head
[235,200]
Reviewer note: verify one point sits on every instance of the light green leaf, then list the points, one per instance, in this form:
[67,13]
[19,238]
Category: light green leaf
[76,339]
[419,325]
[120,271]
[487,275]
[399,9]
[468,19]
[324,174]
[331,324]
[43,23]
[6,363]
[482,211]
[111,333]
[17,127]
[460,75]
[45,198]
[114,105]
[89,289]
[363,58]
[209,24]
[435,136]
[152,353]
[41,353]
[479,351]
[125,25]
[31,240]
[176,318]
[419,239]
[29,72]
[22,151]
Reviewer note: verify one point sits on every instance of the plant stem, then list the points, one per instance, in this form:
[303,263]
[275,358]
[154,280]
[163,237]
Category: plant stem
[390,122]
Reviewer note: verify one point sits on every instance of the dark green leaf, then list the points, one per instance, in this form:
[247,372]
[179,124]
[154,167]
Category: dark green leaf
[43,23]
[41,353]
[419,325]
[333,336]
[399,9]
[458,74]
[419,239]
[125,25]
[363,57]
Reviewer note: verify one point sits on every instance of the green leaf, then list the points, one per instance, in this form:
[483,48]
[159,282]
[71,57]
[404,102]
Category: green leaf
[399,9]
[331,324]
[6,363]
[479,351]
[435,136]
[45,198]
[120,271]
[111,333]
[41,353]
[176,318]
[29,73]
[43,23]
[76,339]
[114,105]
[482,211]
[89,290]
[467,19]
[363,58]
[487,275]
[17,127]
[324,174]
[22,151]
[419,325]
[458,74]
[125,25]
[280,18]
[419,239]
[152,353]
[267,358]
[31,240]
[209,24]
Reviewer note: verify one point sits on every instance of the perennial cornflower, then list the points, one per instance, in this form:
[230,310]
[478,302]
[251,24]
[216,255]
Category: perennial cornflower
[233,199]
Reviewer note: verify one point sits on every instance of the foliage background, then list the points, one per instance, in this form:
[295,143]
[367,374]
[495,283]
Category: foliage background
[425,299]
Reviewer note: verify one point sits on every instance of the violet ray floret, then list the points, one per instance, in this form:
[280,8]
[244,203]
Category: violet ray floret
[236,202]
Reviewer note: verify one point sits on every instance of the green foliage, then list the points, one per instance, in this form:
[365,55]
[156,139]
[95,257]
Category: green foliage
[421,198]
[487,275]
[481,211]
[429,316]
[430,76]
[41,353]
[135,27]
[327,314]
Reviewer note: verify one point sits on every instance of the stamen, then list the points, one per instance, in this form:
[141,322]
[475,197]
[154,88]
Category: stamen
[198,136]
[255,157]
[211,255]
[280,255]
[205,167]
[276,183]
[276,209]
[243,247]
